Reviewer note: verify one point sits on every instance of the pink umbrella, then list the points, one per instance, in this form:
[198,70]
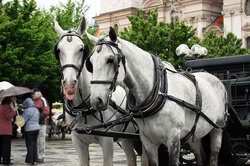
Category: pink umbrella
[15,91]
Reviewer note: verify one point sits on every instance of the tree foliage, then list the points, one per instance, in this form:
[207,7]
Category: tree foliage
[219,46]
[153,36]
[27,39]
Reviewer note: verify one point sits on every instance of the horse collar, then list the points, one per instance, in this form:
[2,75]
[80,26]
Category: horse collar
[154,102]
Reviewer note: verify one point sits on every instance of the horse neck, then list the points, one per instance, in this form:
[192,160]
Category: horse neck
[140,71]
[83,89]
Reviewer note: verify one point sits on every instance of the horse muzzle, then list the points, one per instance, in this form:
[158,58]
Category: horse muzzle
[69,89]
[99,103]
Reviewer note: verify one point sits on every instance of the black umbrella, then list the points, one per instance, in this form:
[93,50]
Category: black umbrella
[15,91]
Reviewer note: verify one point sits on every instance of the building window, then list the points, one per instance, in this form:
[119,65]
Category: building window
[248,42]
[247,7]
[176,19]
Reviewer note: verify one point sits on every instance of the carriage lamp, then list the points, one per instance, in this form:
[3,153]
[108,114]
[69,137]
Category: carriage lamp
[203,52]
[195,49]
[183,51]
[198,51]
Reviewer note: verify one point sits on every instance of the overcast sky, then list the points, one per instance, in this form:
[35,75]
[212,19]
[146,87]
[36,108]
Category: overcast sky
[93,10]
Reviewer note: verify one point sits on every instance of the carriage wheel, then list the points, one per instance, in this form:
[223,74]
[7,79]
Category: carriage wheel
[241,151]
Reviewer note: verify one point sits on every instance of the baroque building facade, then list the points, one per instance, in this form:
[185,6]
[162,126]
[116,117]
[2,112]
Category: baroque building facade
[222,16]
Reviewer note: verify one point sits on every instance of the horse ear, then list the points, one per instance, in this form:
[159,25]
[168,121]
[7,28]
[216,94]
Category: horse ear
[82,27]
[112,34]
[58,29]
[92,38]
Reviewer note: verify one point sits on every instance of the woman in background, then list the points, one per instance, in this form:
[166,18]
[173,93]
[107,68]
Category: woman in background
[31,117]
[8,110]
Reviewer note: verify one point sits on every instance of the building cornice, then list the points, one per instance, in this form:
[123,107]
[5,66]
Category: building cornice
[117,11]
[232,11]
[200,18]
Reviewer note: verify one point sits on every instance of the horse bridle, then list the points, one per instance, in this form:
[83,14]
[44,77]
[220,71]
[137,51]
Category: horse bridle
[117,58]
[86,51]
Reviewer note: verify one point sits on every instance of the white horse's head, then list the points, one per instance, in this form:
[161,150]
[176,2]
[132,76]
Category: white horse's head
[71,53]
[107,65]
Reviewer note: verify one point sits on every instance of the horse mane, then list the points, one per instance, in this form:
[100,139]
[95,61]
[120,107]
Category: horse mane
[128,43]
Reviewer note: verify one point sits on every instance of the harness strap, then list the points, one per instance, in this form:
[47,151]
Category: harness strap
[83,109]
[101,82]
[192,107]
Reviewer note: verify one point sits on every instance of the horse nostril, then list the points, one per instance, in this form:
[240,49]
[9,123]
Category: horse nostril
[63,82]
[73,83]
[100,101]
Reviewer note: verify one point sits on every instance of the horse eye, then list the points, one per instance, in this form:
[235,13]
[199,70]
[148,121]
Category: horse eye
[110,60]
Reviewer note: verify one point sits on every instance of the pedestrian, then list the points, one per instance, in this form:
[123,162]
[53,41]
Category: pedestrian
[41,104]
[8,110]
[31,116]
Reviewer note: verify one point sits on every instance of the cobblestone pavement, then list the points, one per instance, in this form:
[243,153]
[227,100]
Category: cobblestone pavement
[61,152]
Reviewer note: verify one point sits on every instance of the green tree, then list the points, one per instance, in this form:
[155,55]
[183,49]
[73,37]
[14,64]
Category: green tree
[69,15]
[153,36]
[219,46]
[27,39]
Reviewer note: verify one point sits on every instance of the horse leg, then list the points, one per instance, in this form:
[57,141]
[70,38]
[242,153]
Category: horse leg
[198,151]
[173,145]
[144,157]
[216,139]
[127,146]
[151,151]
[82,149]
[107,150]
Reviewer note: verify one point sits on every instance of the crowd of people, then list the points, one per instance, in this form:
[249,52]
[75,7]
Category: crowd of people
[35,114]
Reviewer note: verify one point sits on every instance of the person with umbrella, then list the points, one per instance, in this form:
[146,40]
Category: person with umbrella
[8,110]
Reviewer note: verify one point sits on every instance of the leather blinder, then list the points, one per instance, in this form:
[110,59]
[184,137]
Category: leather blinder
[56,52]
[89,65]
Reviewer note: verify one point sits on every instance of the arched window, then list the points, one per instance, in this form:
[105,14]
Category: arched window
[176,19]
[247,7]
[248,42]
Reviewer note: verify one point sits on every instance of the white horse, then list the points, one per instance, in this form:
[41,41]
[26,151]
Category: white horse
[70,51]
[114,57]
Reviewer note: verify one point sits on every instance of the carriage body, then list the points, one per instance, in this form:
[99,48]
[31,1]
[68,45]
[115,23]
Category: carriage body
[234,72]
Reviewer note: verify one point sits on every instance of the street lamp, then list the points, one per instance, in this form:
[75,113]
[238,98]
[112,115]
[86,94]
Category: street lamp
[172,12]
